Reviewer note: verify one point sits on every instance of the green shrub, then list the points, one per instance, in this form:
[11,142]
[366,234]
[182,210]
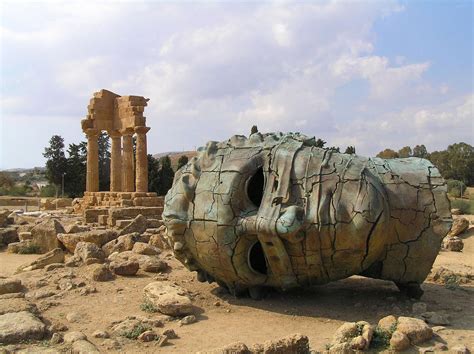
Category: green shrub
[148,307]
[136,331]
[48,191]
[466,206]
[381,339]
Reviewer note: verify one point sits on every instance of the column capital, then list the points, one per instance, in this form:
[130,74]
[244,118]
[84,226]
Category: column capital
[90,132]
[142,130]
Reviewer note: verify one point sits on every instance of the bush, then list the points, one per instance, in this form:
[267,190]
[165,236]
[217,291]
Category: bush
[48,191]
[136,331]
[455,187]
[466,206]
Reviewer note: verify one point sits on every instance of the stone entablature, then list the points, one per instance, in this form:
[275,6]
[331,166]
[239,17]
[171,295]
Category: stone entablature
[121,199]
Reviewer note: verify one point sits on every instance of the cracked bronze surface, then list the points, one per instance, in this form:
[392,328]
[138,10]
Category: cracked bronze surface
[322,216]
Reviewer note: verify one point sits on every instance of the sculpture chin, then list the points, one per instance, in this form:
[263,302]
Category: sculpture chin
[276,211]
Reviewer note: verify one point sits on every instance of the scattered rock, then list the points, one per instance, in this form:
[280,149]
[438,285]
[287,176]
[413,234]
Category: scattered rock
[188,320]
[56,338]
[399,341]
[110,344]
[456,211]
[124,267]
[169,299]
[152,264]
[146,249]
[100,272]
[121,244]
[83,347]
[16,305]
[44,235]
[9,285]
[295,343]
[170,333]
[73,317]
[73,336]
[100,334]
[88,251]
[147,336]
[415,329]
[459,226]
[139,224]
[453,243]
[235,348]
[19,326]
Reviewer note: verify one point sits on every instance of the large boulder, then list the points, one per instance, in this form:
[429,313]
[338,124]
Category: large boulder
[459,226]
[146,249]
[8,286]
[53,256]
[169,299]
[100,272]
[99,237]
[129,267]
[8,235]
[21,326]
[44,235]
[139,224]
[415,329]
[89,252]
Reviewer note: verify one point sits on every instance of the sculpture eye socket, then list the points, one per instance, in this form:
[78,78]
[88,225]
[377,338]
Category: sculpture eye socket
[255,187]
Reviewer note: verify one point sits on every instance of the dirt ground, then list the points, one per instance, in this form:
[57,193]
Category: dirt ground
[316,312]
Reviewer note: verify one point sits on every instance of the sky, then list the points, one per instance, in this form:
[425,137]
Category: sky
[372,74]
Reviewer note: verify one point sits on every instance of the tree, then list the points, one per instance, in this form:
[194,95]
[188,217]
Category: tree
[405,152]
[388,154]
[6,181]
[75,178]
[165,175]
[104,161]
[183,160]
[420,151]
[350,150]
[56,163]
[320,143]
[253,130]
[153,174]
[456,162]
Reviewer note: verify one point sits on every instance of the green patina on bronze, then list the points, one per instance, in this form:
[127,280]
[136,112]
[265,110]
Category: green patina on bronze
[274,210]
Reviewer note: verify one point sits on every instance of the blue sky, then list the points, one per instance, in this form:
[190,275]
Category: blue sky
[373,74]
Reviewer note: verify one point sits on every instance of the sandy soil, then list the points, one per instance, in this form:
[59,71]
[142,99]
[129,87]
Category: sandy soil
[315,312]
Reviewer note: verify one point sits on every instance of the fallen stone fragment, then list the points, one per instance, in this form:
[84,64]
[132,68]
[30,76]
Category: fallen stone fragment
[168,298]
[110,344]
[8,235]
[456,211]
[188,320]
[56,338]
[10,285]
[295,343]
[17,305]
[139,224]
[459,226]
[415,329]
[20,326]
[83,346]
[453,243]
[54,256]
[388,323]
[44,235]
[147,336]
[146,249]
[53,266]
[73,317]
[87,251]
[100,272]
[12,296]
[124,267]
[120,244]
[42,294]
[170,333]
[76,228]
[152,264]
[399,341]
[98,237]
[460,349]
[235,348]
[100,334]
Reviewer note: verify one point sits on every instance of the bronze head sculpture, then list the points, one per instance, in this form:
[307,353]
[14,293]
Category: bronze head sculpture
[274,210]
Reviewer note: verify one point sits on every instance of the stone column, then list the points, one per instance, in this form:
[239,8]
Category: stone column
[141,182]
[116,161]
[128,174]
[92,177]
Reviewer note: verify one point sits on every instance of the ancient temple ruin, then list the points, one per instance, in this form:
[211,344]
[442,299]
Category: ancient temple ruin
[122,118]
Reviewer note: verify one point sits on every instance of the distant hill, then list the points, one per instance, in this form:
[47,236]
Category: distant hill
[175,155]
